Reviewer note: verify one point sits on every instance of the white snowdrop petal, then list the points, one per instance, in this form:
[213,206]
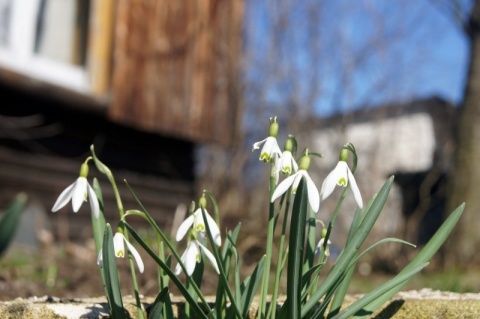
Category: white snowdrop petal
[79,192]
[355,190]
[184,227]
[283,187]
[64,197]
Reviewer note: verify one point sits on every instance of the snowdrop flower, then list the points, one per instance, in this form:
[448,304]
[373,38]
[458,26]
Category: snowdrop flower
[79,192]
[320,246]
[341,176]
[288,165]
[192,256]
[271,151]
[196,220]
[294,180]
[321,242]
[119,242]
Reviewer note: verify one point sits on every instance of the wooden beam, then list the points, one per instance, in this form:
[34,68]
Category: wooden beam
[99,55]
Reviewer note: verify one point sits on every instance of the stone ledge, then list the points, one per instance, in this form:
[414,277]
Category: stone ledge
[422,304]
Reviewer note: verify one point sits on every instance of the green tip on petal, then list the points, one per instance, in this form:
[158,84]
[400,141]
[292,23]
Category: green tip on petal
[264,157]
[342,182]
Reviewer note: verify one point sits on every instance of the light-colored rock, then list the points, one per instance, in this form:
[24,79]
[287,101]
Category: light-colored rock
[422,304]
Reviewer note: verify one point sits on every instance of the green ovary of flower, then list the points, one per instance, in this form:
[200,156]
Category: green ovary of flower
[273,131]
[83,170]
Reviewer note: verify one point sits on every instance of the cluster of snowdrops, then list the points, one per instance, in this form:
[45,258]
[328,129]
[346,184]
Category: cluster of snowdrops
[301,252]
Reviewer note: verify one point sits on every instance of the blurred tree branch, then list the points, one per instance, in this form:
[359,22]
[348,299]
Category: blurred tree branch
[465,174]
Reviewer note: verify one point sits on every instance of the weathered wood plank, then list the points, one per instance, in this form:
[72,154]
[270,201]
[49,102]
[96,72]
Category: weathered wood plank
[175,67]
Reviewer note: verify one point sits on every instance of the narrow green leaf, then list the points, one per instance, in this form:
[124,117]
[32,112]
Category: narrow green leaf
[296,250]
[342,289]
[384,241]
[220,299]
[251,287]
[98,224]
[111,276]
[428,251]
[166,240]
[351,248]
[10,219]
[311,245]
[397,281]
[345,283]
[161,308]
[182,289]
[223,274]
[236,273]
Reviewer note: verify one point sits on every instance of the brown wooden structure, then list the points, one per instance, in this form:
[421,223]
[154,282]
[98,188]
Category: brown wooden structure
[180,55]
[160,77]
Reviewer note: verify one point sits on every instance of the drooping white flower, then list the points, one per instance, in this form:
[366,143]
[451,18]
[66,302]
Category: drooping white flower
[196,221]
[271,151]
[192,255]
[79,192]
[320,246]
[341,176]
[119,242]
[288,165]
[294,180]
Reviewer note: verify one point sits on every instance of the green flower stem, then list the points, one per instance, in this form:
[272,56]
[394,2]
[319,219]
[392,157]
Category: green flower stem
[164,238]
[268,259]
[175,280]
[332,222]
[107,172]
[162,278]
[273,309]
[223,276]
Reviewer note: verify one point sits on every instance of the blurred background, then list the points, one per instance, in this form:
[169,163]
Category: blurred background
[174,93]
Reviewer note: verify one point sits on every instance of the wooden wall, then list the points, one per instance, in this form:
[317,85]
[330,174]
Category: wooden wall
[43,142]
[175,67]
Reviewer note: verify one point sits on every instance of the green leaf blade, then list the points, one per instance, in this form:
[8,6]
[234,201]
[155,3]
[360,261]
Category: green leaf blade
[10,220]
[111,276]
[296,250]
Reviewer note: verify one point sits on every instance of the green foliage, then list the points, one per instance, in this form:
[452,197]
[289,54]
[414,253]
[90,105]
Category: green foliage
[112,283]
[313,291]
[9,220]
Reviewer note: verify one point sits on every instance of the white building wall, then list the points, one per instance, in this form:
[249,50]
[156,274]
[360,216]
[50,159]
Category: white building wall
[405,143]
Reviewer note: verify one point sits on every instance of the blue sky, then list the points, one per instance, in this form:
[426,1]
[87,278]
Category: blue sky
[332,56]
